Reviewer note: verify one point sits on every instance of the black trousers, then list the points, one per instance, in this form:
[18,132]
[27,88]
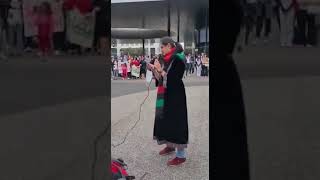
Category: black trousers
[276,13]
[305,32]
[263,21]
[59,41]
[249,21]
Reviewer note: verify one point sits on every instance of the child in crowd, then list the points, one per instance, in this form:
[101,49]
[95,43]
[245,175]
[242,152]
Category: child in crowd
[44,23]
[124,71]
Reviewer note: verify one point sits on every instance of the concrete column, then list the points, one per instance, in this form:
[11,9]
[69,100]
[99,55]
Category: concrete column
[118,47]
[149,48]
[178,24]
[169,17]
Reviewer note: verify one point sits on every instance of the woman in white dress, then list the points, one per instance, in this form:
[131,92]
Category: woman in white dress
[198,66]
[120,67]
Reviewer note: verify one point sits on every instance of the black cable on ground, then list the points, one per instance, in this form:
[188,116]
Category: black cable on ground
[128,132]
[105,131]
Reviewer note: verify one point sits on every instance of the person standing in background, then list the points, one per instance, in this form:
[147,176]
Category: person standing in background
[4,6]
[276,11]
[249,18]
[198,66]
[59,34]
[45,25]
[264,9]
[268,12]
[287,14]
[115,69]
[305,33]
[188,64]
[101,26]
[15,28]
[124,70]
[129,64]
[192,63]
[205,62]
[143,66]
[120,67]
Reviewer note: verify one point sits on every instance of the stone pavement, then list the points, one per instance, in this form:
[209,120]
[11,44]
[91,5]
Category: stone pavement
[283,127]
[140,152]
[49,117]
[54,142]
[281,91]
[125,87]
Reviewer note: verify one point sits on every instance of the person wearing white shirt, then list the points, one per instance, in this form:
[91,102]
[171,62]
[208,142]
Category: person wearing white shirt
[115,69]
[129,68]
[188,64]
[15,27]
[198,66]
[120,67]
[287,14]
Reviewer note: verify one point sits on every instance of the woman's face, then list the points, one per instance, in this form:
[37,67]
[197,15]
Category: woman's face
[165,49]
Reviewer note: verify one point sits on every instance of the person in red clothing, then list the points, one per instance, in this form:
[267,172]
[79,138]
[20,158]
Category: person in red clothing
[124,70]
[44,23]
[84,6]
[135,62]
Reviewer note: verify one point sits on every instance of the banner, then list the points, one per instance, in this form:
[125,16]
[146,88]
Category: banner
[80,28]
[135,71]
[29,14]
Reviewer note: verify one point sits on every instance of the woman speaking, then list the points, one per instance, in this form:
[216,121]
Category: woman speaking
[171,118]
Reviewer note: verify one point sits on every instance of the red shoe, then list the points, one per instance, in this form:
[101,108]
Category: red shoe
[166,151]
[176,161]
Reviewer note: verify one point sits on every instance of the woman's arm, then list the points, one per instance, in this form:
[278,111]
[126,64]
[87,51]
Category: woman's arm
[176,72]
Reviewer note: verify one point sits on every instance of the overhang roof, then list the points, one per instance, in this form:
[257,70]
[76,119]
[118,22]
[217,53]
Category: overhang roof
[138,33]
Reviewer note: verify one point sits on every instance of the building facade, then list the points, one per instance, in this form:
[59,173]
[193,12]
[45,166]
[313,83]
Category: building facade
[154,15]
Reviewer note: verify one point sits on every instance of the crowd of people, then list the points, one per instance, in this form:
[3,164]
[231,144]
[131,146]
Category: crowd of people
[135,67]
[129,67]
[295,20]
[47,41]
[198,64]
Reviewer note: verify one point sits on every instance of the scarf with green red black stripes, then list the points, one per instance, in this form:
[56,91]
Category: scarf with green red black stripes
[161,90]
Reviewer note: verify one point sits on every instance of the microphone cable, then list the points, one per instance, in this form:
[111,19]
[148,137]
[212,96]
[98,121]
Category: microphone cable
[107,129]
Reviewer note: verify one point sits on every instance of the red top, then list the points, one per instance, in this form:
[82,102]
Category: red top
[45,25]
[135,62]
[84,6]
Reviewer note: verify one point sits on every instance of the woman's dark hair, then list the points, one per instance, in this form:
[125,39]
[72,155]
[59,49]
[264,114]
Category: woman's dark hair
[168,40]
[179,47]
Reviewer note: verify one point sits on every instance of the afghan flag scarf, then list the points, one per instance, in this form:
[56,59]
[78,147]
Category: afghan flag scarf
[161,88]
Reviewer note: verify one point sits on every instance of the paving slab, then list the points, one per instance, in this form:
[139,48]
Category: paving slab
[140,152]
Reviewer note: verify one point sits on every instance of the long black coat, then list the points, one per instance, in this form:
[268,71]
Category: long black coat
[171,126]
[228,133]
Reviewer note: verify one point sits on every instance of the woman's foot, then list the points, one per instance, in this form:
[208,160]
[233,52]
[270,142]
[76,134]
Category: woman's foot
[166,151]
[176,161]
